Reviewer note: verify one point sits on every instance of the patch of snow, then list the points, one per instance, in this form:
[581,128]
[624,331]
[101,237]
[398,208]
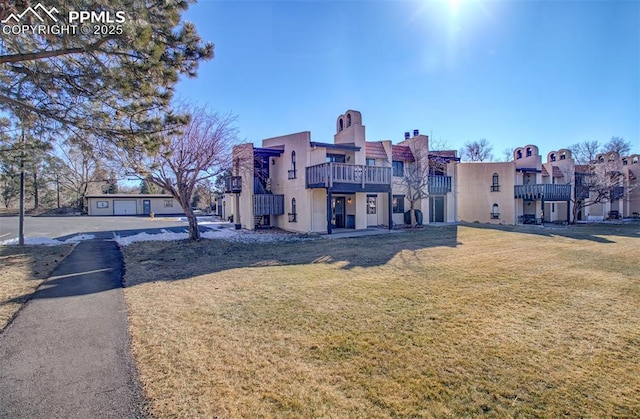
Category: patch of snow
[47,241]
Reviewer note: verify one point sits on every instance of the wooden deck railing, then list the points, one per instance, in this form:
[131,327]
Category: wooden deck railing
[326,174]
[268,204]
[548,192]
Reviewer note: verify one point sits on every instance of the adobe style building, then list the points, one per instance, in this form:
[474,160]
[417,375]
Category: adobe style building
[299,184]
[521,191]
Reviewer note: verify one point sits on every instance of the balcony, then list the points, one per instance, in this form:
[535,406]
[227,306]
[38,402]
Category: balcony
[342,177]
[439,185]
[233,184]
[546,192]
[268,204]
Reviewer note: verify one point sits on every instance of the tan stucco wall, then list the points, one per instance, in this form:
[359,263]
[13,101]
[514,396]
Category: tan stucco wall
[475,199]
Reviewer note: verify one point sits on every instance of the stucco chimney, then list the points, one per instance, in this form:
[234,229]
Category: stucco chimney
[407,135]
[416,132]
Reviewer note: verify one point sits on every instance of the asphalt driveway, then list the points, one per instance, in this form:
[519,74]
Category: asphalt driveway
[102,227]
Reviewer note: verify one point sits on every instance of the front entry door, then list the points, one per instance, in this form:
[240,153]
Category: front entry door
[338,212]
[436,209]
[146,207]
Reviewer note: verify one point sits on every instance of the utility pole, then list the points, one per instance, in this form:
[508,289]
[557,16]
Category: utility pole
[21,214]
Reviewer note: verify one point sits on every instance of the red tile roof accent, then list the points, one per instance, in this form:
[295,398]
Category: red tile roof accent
[544,172]
[583,168]
[401,153]
[557,172]
[375,150]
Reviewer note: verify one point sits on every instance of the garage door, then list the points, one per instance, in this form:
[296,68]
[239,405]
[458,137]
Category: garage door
[124,208]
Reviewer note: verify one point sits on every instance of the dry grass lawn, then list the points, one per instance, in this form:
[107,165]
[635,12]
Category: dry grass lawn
[445,322]
[22,270]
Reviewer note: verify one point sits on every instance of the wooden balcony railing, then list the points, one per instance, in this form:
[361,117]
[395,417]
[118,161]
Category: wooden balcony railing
[326,174]
[268,204]
[548,192]
[233,184]
[439,184]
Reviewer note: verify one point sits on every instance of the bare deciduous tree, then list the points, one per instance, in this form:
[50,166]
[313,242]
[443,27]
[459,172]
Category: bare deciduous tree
[584,152]
[476,150]
[617,144]
[415,179]
[186,159]
[597,183]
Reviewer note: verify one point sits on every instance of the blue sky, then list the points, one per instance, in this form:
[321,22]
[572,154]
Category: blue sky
[549,73]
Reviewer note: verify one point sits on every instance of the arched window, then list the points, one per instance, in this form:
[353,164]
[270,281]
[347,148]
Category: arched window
[293,213]
[528,151]
[519,154]
[495,184]
[292,172]
[341,125]
[348,120]
[635,160]
[563,156]
[495,212]
[553,157]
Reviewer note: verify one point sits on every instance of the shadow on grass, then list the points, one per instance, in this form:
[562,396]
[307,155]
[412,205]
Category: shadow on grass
[165,261]
[591,232]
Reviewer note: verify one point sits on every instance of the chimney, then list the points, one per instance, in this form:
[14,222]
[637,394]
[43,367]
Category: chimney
[407,135]
[416,132]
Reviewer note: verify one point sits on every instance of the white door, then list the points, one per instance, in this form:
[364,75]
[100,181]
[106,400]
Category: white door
[124,208]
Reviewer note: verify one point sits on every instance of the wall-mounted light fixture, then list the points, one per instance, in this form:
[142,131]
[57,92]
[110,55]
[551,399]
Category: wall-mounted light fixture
[348,200]
[273,161]
[348,158]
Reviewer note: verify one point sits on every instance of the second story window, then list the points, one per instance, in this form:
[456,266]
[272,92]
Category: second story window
[335,158]
[398,168]
[292,172]
[495,185]
[371,162]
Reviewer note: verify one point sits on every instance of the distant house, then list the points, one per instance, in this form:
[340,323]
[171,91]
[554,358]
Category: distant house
[132,204]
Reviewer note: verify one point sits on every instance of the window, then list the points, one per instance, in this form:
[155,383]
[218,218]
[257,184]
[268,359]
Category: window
[168,203]
[495,186]
[553,157]
[292,172]
[293,214]
[102,204]
[553,207]
[398,204]
[371,162]
[563,156]
[519,154]
[528,151]
[348,120]
[341,123]
[335,158]
[495,212]
[398,168]
[371,204]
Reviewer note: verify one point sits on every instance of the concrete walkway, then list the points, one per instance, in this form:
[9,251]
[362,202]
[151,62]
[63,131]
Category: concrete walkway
[67,353]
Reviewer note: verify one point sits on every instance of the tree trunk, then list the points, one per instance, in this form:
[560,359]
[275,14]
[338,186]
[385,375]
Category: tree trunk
[412,213]
[194,232]
[35,190]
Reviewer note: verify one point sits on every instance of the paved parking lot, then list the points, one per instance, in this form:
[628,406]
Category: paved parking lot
[102,227]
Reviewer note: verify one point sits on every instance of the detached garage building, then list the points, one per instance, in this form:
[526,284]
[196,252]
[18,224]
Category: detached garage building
[132,204]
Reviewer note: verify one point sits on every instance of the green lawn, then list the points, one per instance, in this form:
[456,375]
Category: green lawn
[442,322]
